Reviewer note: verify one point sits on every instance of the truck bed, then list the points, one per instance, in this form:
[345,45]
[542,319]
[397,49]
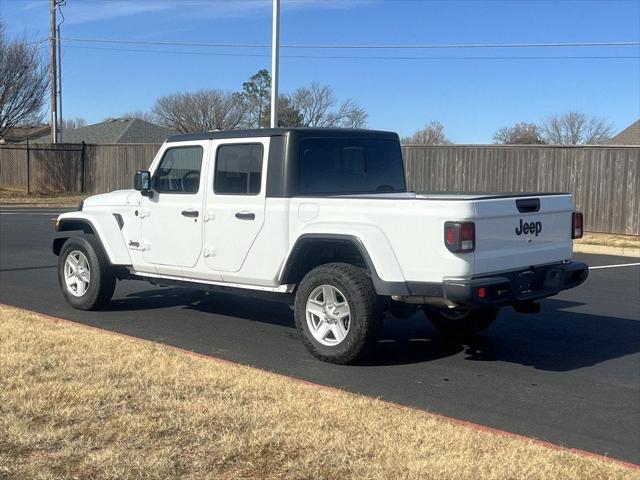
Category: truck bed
[412,224]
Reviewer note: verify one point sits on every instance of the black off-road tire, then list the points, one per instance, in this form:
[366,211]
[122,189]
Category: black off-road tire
[103,279]
[365,312]
[461,323]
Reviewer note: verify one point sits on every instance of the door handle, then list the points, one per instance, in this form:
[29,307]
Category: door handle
[245,215]
[190,213]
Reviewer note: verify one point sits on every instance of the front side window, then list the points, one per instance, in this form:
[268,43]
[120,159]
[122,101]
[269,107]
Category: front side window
[179,170]
[238,169]
[350,165]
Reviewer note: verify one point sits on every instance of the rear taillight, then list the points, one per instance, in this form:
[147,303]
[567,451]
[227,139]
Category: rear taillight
[460,237]
[576,225]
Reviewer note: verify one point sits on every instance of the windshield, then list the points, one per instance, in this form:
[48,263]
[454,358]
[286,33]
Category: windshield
[346,165]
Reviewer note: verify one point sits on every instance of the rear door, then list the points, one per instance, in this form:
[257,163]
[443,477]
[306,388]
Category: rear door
[235,201]
[518,232]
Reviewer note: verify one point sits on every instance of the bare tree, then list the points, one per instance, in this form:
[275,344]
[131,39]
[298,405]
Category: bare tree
[23,83]
[200,111]
[348,115]
[573,128]
[319,108]
[72,123]
[521,133]
[314,103]
[313,106]
[431,134]
[140,115]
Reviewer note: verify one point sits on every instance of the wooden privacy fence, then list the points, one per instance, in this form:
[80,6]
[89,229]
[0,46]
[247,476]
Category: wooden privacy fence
[605,180]
[74,168]
[112,167]
[42,168]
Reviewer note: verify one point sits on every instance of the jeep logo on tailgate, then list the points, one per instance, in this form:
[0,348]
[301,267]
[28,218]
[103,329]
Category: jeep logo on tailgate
[525,228]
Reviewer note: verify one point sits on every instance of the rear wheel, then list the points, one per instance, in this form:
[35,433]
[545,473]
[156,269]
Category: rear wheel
[461,322]
[86,279]
[337,313]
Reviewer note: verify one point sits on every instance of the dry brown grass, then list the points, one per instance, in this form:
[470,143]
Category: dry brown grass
[79,403]
[610,240]
[20,198]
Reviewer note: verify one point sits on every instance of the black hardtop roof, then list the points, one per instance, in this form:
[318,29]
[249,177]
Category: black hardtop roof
[302,132]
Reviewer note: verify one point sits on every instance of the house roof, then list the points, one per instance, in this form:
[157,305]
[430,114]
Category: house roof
[628,136]
[20,134]
[118,130]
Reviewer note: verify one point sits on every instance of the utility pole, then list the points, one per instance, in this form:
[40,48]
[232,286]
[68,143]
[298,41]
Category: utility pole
[53,66]
[61,132]
[275,62]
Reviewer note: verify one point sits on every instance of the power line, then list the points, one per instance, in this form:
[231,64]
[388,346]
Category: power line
[37,42]
[353,57]
[367,47]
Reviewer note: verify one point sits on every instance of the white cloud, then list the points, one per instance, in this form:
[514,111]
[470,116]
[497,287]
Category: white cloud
[30,17]
[78,12]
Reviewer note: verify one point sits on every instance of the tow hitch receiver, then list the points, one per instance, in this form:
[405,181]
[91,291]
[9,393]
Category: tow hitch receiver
[526,307]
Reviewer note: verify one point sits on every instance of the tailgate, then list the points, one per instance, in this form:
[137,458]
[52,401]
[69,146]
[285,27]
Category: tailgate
[521,231]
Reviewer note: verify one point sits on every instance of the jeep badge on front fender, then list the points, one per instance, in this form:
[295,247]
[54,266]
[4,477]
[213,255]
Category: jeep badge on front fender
[529,227]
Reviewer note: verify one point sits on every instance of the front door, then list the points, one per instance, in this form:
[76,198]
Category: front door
[171,220]
[235,203]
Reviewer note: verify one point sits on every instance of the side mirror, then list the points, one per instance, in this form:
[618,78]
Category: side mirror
[142,183]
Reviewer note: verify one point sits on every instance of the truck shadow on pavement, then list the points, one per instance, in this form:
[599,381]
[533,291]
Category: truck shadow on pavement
[556,339]
[272,312]
[552,340]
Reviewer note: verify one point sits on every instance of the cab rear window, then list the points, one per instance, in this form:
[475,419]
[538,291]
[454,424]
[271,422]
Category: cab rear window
[349,166]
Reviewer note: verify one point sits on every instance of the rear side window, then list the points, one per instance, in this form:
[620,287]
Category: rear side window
[238,169]
[179,170]
[344,166]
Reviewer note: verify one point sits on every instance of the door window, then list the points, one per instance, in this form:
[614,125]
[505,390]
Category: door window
[238,169]
[179,170]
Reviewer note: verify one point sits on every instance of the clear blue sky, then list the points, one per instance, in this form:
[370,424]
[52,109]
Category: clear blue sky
[472,97]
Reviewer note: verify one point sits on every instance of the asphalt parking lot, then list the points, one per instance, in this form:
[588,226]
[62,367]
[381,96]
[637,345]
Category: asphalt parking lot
[570,374]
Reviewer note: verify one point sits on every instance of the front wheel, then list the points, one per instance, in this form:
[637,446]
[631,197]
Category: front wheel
[461,322]
[337,313]
[86,278]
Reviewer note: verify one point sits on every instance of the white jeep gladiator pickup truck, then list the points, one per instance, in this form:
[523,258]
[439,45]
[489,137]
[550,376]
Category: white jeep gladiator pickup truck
[323,216]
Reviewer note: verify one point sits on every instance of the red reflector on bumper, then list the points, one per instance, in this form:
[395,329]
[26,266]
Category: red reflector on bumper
[481,292]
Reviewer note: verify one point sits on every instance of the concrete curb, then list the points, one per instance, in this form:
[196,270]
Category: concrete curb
[606,250]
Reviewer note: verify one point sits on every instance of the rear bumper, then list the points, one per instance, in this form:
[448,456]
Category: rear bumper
[516,286]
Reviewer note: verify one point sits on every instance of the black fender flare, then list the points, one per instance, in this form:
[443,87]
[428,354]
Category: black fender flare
[71,227]
[382,287]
